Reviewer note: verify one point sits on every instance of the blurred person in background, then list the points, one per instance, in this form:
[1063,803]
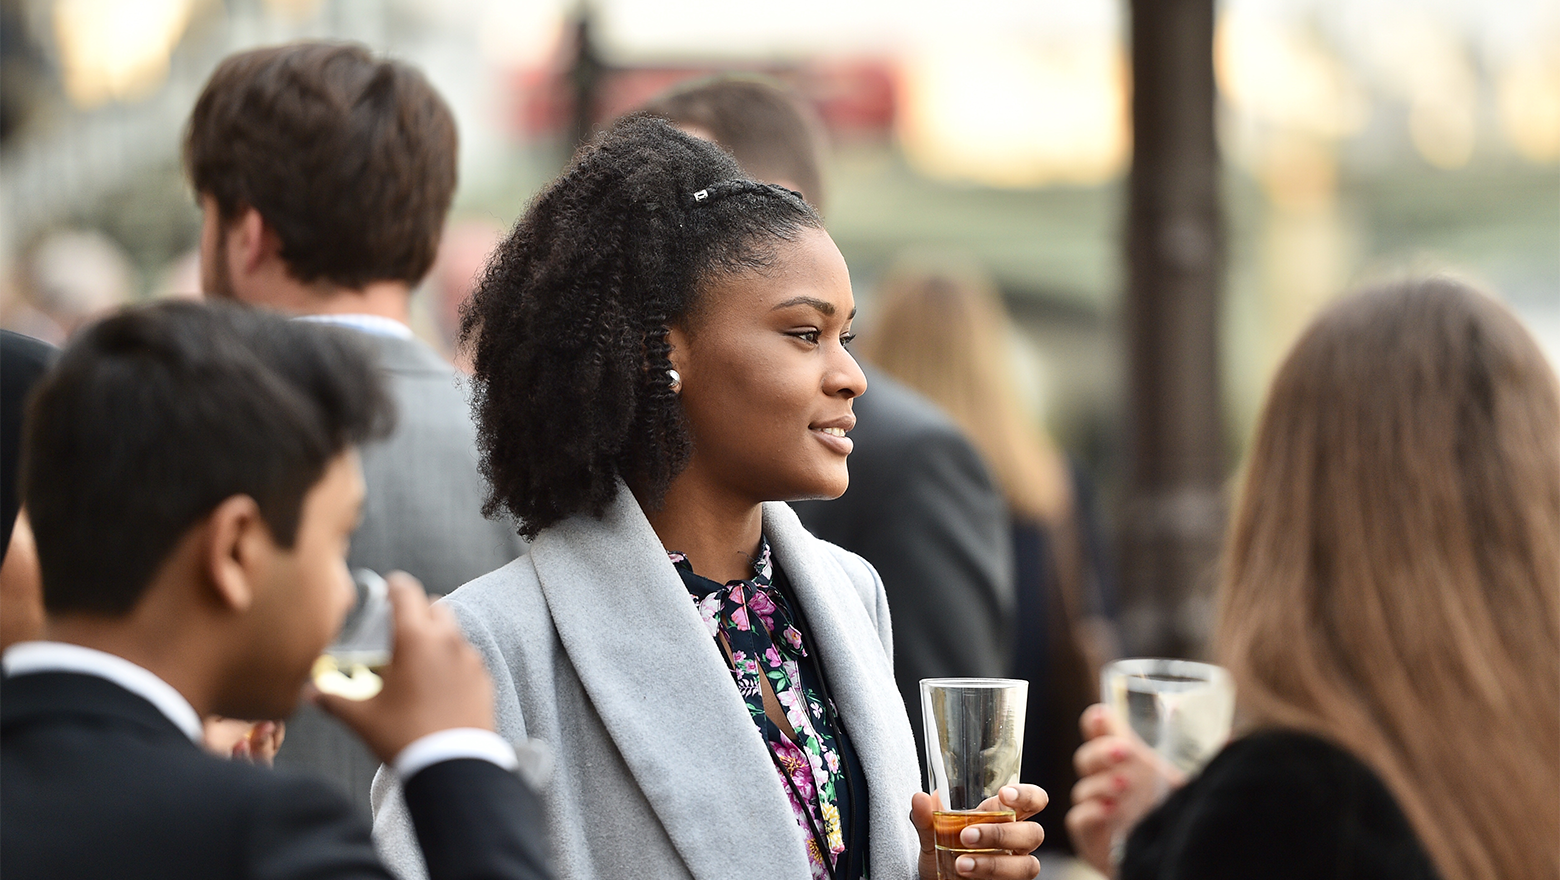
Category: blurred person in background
[192,478]
[463,252]
[1390,610]
[69,277]
[944,332]
[324,175]
[660,363]
[921,506]
[23,361]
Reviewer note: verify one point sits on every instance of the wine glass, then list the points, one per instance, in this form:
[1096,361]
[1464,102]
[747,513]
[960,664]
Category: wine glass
[1182,709]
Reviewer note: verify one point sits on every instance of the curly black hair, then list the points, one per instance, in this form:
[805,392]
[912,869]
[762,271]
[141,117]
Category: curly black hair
[568,327]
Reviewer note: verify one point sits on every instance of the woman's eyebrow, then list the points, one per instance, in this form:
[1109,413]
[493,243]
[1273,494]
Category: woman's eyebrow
[824,306]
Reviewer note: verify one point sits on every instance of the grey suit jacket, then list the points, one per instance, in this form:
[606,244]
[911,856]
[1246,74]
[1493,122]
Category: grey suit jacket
[922,509]
[598,652]
[422,514]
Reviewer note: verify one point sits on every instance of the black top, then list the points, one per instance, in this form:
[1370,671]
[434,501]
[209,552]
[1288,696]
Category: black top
[100,784]
[1278,805]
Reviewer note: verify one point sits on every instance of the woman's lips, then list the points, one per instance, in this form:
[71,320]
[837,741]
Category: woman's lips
[835,439]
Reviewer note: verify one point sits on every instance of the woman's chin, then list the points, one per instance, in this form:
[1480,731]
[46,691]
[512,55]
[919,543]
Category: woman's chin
[823,490]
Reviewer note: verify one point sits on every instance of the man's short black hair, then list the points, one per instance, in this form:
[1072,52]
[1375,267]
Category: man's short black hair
[770,131]
[349,157]
[153,417]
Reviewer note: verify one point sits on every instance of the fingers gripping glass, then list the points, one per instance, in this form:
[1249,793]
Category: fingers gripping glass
[350,666]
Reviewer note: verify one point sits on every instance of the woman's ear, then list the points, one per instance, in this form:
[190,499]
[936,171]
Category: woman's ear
[238,549]
[678,340]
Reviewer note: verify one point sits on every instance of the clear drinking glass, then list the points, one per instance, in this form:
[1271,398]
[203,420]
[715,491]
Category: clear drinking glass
[350,665]
[974,746]
[1182,709]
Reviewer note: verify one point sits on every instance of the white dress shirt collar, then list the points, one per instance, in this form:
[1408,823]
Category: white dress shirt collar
[377,325]
[25,658]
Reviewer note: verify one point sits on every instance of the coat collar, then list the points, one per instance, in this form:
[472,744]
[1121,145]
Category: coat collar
[665,695]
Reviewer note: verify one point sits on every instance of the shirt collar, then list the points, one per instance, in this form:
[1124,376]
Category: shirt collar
[26,658]
[377,325]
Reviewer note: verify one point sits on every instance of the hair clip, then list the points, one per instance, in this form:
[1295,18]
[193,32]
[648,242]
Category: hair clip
[701,195]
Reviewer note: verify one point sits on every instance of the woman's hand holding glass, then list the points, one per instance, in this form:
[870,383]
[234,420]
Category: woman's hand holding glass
[1120,780]
[1019,838]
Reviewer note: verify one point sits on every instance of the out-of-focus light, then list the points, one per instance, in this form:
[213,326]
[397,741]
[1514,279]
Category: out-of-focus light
[1424,61]
[1286,78]
[1528,96]
[520,35]
[293,10]
[113,50]
[1003,112]
[1442,128]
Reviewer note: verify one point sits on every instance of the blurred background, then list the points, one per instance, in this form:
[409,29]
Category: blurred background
[1355,138]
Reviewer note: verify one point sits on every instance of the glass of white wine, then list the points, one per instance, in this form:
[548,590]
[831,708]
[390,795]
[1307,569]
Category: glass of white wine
[1182,709]
[350,665]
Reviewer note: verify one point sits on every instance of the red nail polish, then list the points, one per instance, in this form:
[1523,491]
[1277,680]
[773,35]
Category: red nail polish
[1119,783]
[1117,753]
[1107,804]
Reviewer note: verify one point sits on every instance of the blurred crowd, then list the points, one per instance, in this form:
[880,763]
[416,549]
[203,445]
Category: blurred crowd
[674,554]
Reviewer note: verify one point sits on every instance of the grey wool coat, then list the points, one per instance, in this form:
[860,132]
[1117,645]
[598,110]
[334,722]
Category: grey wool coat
[598,652]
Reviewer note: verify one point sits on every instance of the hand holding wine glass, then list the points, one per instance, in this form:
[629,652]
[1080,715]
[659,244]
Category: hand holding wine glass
[1120,779]
[1162,721]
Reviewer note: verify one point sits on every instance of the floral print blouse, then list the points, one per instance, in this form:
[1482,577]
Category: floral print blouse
[762,641]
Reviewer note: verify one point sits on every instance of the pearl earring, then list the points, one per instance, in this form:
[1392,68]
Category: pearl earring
[676,379]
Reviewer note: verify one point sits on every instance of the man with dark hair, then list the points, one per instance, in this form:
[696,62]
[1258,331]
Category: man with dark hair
[324,175]
[921,506]
[192,480]
[774,136]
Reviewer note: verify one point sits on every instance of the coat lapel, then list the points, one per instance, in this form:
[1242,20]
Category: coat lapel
[665,696]
[861,680]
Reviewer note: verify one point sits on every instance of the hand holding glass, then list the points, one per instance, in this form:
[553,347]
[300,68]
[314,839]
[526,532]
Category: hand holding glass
[974,745]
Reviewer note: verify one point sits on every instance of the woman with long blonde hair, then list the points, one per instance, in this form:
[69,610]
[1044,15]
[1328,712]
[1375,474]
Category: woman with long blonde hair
[942,330]
[1390,610]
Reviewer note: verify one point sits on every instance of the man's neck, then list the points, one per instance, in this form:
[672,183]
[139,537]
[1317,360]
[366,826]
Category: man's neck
[164,654]
[385,299]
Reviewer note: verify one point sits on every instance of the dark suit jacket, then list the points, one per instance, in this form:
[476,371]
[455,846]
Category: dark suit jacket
[922,509]
[422,513]
[98,783]
[1280,805]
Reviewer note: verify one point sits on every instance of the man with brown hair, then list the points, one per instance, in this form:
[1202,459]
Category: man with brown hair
[324,175]
[921,506]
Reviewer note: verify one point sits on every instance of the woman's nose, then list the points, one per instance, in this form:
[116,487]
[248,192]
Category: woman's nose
[845,378]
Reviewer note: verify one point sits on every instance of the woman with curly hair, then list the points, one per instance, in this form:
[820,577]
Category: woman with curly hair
[659,354]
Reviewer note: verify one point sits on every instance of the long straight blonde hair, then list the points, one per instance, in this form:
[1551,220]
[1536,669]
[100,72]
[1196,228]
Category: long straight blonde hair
[944,332]
[1392,581]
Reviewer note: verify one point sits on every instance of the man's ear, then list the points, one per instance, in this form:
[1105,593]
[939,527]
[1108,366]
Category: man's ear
[239,548]
[251,242]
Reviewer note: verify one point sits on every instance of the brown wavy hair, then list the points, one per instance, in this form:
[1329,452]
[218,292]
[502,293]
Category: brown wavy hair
[1392,581]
